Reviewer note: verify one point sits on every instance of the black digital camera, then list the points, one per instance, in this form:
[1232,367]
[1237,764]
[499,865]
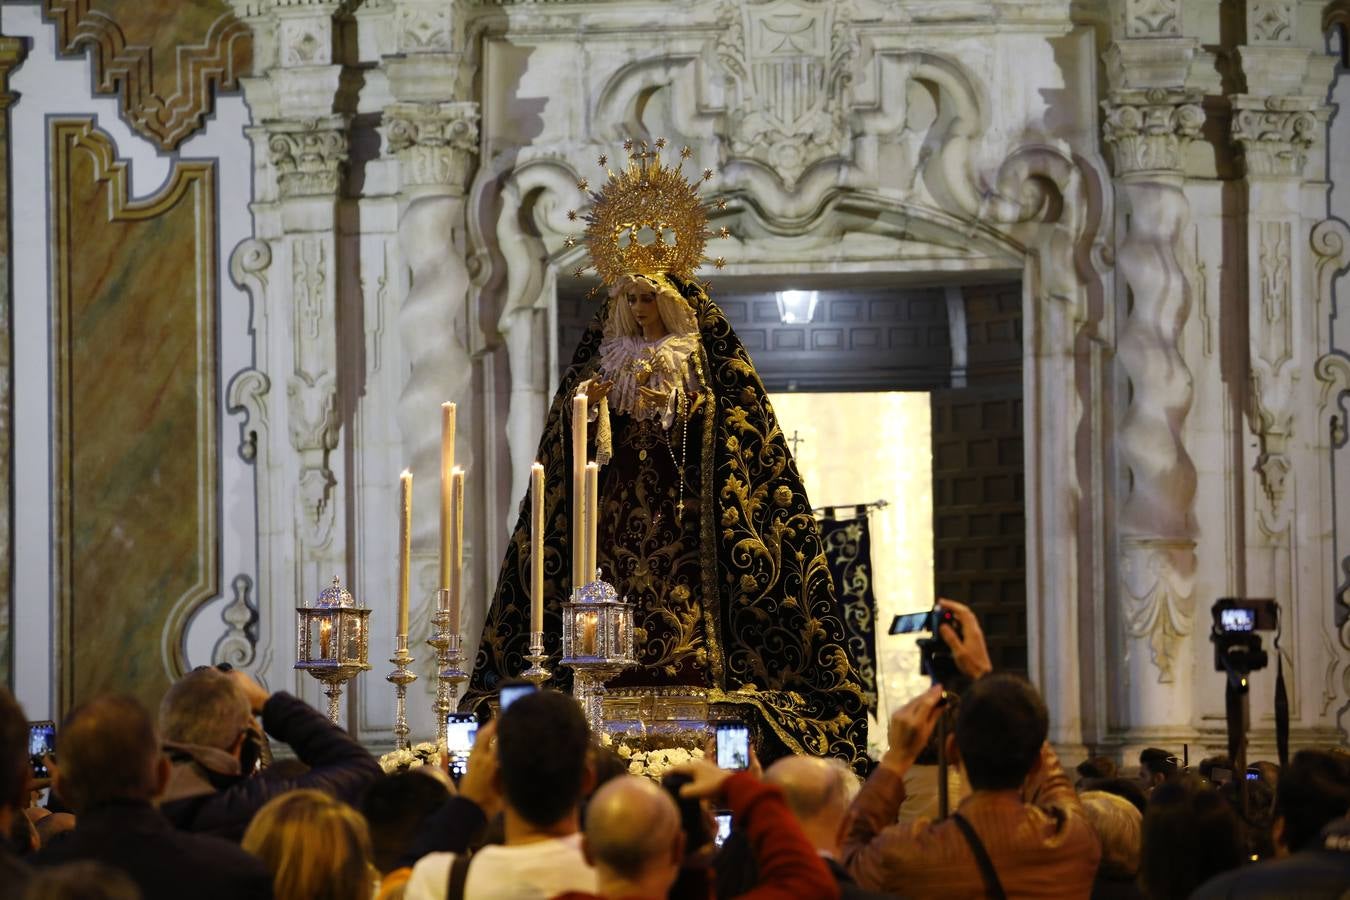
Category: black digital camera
[935,657]
[1237,645]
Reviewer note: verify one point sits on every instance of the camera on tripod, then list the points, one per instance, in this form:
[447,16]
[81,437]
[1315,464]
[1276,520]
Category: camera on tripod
[935,657]
[1237,645]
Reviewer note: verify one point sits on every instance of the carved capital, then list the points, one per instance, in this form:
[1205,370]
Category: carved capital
[1149,129]
[436,143]
[1274,134]
[310,156]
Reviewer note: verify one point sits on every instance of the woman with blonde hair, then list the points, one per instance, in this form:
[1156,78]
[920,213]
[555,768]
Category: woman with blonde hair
[316,847]
[1119,827]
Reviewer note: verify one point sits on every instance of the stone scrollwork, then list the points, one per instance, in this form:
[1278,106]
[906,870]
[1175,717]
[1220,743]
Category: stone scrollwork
[1152,18]
[1270,21]
[1333,370]
[247,392]
[1274,134]
[309,156]
[1274,376]
[436,143]
[1330,241]
[238,645]
[791,62]
[313,421]
[306,42]
[1149,129]
[425,26]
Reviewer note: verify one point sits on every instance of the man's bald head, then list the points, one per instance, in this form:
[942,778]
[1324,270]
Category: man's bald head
[818,791]
[811,784]
[631,826]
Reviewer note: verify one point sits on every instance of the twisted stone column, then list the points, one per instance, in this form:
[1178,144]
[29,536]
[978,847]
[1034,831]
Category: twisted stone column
[1148,130]
[435,144]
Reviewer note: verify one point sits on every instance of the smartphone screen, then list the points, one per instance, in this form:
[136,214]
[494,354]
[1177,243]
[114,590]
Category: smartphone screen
[41,743]
[460,731]
[733,747]
[510,693]
[910,623]
[723,828]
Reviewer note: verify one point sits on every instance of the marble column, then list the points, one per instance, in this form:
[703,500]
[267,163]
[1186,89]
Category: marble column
[433,135]
[1278,127]
[301,110]
[1150,118]
[11,57]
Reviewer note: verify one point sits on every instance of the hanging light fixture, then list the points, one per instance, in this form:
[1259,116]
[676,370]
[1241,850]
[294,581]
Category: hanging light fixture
[796,307]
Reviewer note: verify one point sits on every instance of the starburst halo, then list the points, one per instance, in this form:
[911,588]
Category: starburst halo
[646,219]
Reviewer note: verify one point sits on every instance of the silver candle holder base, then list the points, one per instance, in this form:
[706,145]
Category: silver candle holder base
[537,657]
[450,676]
[588,687]
[440,641]
[400,678]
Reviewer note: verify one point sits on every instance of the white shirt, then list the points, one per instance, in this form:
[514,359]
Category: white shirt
[526,872]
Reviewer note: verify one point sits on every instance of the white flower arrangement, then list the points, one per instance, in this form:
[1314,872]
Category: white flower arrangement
[423,754]
[654,764]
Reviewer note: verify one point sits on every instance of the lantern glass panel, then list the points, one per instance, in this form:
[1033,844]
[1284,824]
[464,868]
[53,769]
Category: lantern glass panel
[352,627]
[323,637]
[587,630]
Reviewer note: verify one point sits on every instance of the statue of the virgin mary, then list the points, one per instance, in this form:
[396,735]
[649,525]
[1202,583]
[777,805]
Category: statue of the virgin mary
[703,523]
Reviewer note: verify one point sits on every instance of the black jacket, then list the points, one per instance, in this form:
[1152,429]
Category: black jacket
[13,873]
[164,862]
[1319,872]
[208,802]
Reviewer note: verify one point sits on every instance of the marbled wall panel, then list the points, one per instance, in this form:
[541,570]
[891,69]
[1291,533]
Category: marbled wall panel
[163,58]
[135,380]
[11,55]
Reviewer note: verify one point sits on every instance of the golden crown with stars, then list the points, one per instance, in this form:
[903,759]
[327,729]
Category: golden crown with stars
[647,219]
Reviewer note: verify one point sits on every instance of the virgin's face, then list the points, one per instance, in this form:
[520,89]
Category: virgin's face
[642,302]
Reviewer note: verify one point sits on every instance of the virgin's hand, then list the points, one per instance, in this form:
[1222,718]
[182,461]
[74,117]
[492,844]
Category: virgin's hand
[596,390]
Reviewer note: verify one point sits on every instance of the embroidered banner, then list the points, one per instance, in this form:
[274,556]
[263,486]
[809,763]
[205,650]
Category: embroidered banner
[848,550]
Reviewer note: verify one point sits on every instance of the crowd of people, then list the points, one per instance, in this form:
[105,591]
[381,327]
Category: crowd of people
[192,804]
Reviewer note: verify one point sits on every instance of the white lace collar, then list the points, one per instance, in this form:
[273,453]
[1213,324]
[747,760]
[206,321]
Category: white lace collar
[649,375]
